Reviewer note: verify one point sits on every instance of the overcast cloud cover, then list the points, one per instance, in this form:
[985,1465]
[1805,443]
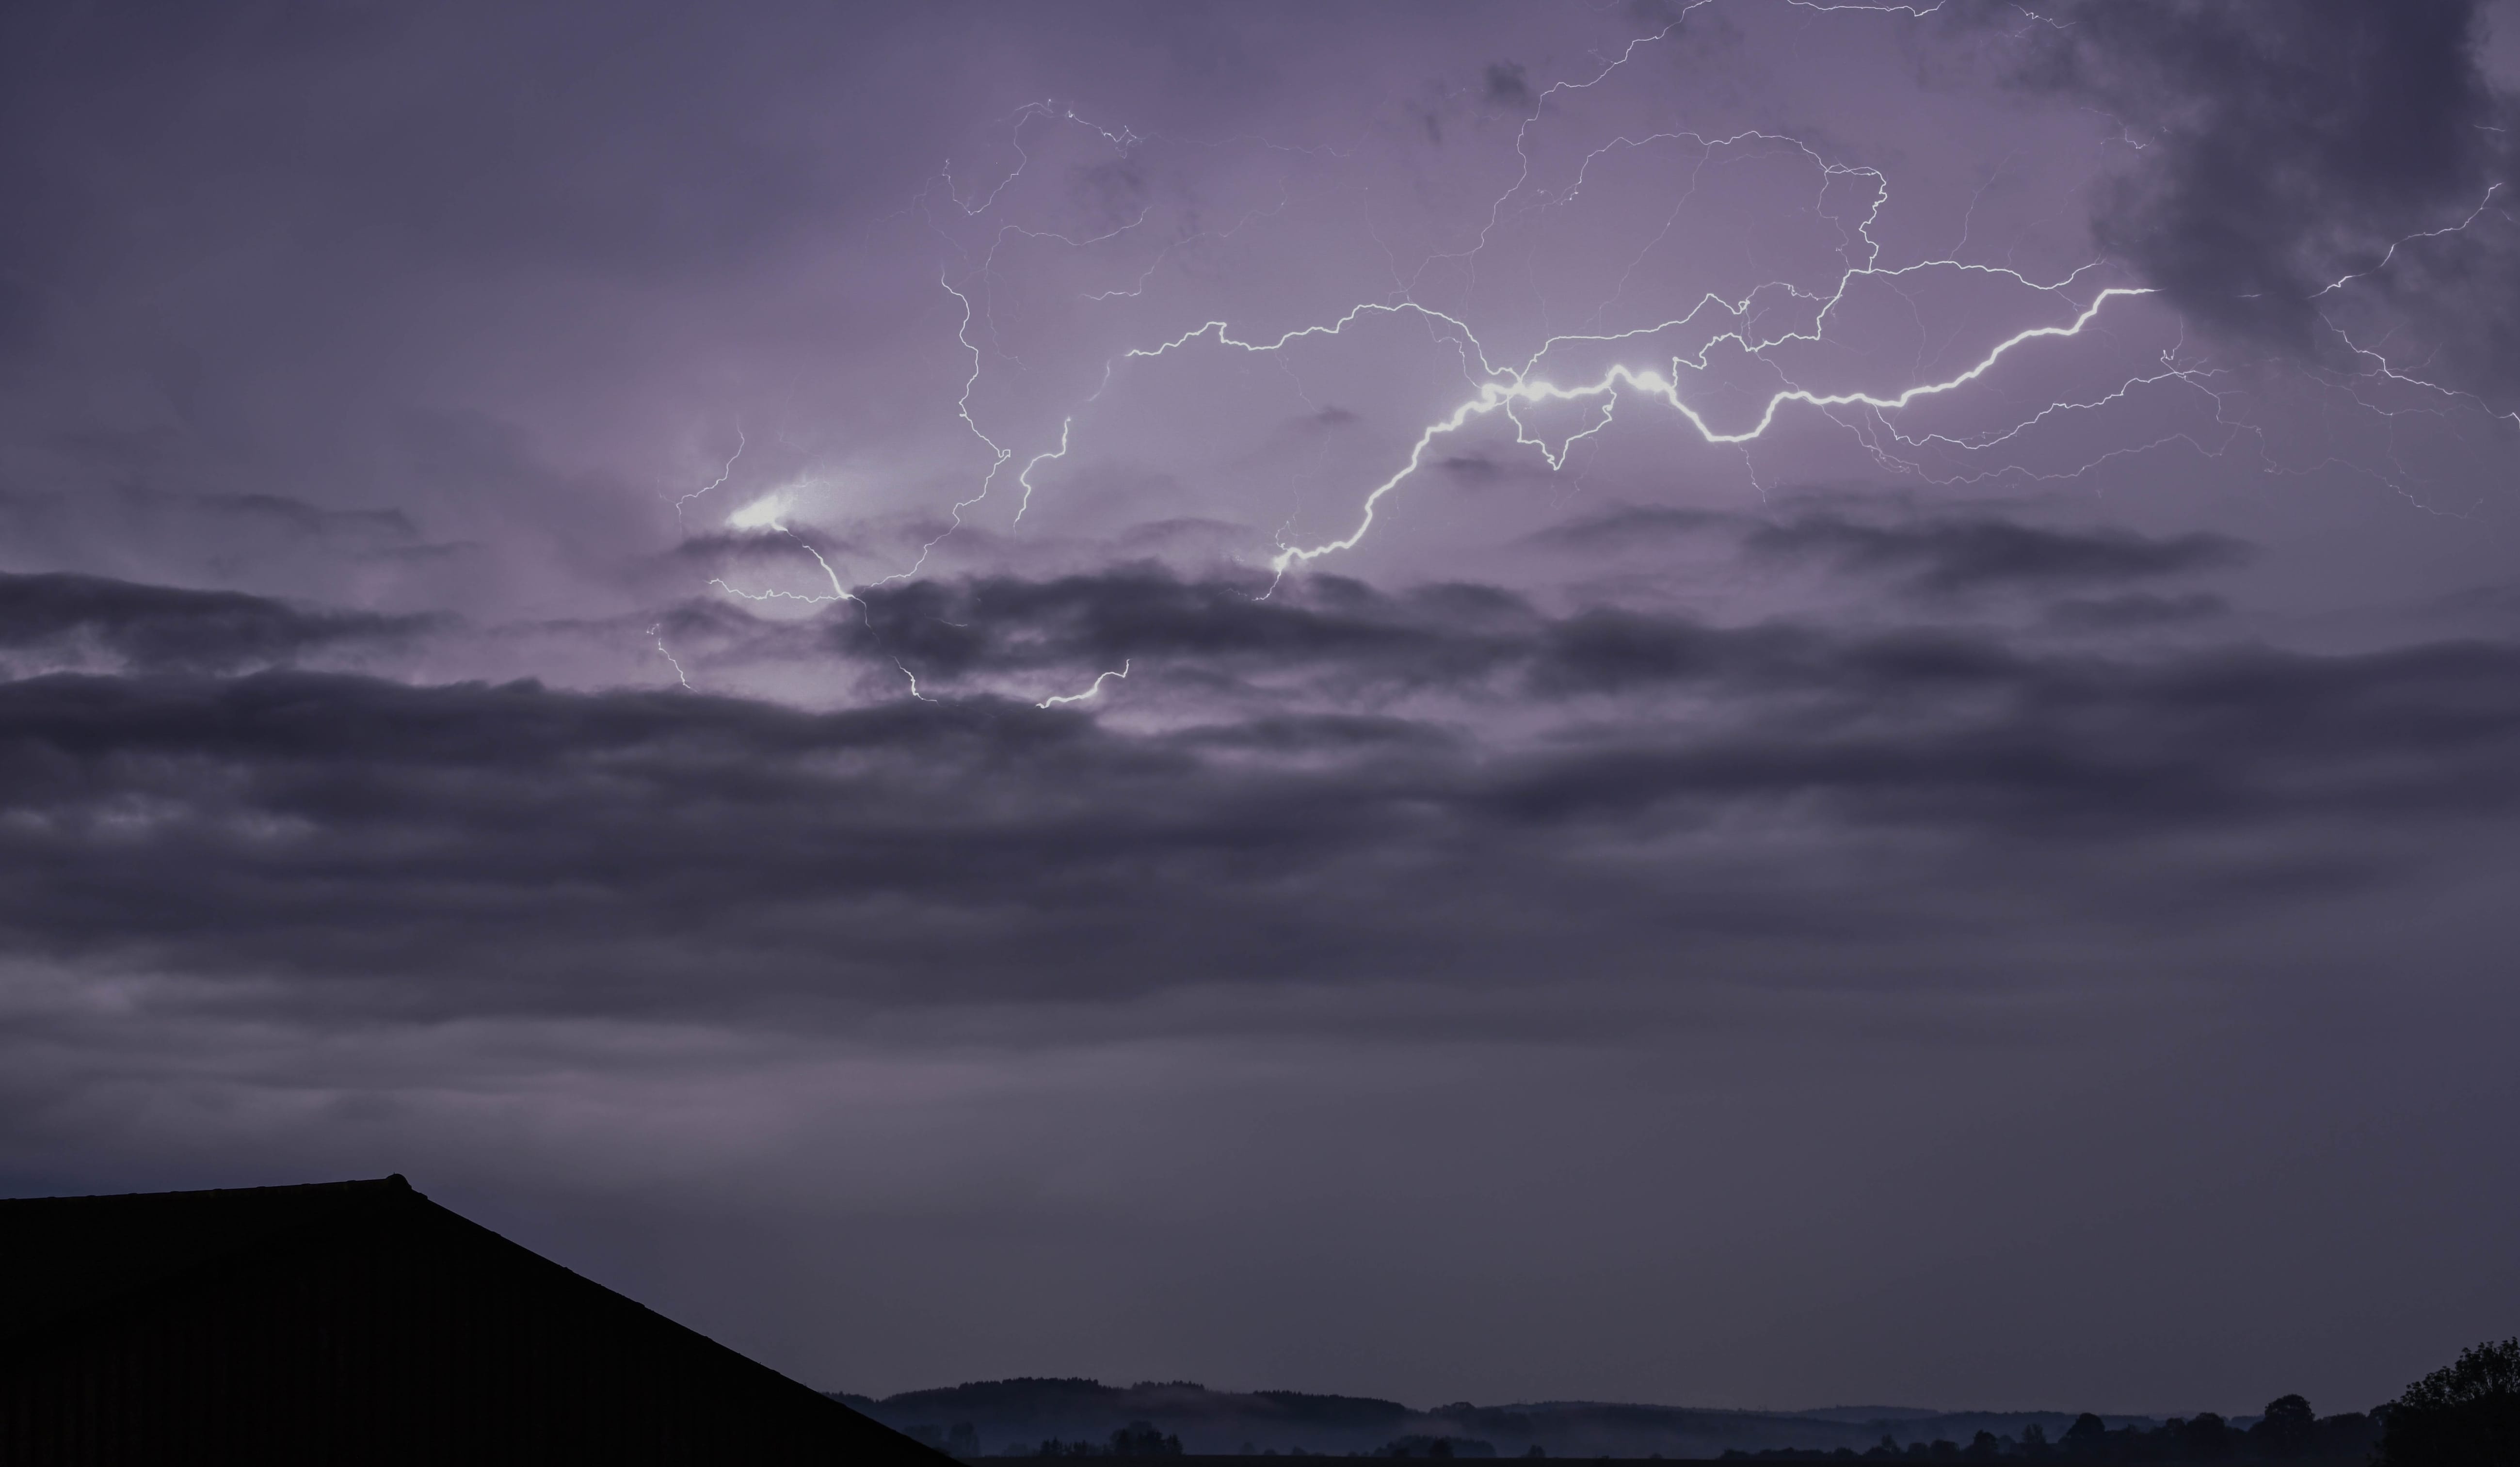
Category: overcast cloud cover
[877,674]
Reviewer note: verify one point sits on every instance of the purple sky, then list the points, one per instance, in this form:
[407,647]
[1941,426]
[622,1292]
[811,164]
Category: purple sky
[1821,702]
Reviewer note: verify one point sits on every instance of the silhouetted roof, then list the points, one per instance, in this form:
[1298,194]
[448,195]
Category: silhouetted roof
[360,1321]
[61,1256]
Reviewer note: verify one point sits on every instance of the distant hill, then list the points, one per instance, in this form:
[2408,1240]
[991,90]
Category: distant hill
[1015,1416]
[1862,1414]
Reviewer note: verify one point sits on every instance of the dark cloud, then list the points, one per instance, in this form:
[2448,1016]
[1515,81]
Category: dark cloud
[1509,85]
[313,520]
[2287,142]
[1629,524]
[522,846]
[2135,610]
[1937,555]
[1471,469]
[1611,651]
[160,627]
[1471,639]
[2062,745]
[132,514]
[1245,623]
[1955,556]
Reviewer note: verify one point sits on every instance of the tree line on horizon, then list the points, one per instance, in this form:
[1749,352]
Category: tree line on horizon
[2288,1430]
[2465,1414]
[1138,1439]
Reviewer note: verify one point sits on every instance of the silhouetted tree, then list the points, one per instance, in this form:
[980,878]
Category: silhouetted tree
[1140,1439]
[2286,1430]
[2465,1414]
[2033,1441]
[2204,1438]
[2086,1439]
[2348,1436]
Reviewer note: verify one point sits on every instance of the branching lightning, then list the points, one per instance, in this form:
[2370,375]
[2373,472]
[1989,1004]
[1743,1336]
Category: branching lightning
[1665,388]
[1503,388]
[1665,380]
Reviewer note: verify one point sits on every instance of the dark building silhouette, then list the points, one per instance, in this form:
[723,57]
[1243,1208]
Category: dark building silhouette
[358,1322]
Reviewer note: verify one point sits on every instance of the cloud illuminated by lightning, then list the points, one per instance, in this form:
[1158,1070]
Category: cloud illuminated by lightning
[1504,388]
[1663,381]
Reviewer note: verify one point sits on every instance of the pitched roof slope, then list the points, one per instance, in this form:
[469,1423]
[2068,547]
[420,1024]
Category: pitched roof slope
[359,1323]
[59,1255]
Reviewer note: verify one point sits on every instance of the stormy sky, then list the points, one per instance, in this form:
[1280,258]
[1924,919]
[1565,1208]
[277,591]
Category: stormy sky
[1742,703]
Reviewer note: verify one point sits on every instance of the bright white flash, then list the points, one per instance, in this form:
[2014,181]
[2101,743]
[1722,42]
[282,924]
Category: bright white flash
[768,512]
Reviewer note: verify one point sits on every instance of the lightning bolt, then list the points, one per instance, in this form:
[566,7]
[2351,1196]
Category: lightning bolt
[658,631]
[1025,478]
[1078,697]
[1506,389]
[1662,381]
[723,475]
[1665,388]
[2483,206]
